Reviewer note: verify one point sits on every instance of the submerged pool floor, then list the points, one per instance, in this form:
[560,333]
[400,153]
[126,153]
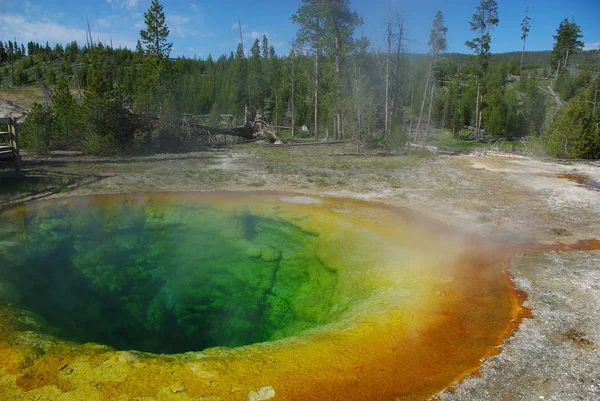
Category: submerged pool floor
[242,296]
[168,278]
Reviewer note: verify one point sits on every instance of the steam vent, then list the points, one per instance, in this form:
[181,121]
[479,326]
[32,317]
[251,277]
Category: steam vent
[231,296]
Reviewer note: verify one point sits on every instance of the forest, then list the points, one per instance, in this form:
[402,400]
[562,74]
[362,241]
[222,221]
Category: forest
[331,84]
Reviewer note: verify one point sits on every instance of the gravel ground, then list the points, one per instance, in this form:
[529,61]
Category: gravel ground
[553,356]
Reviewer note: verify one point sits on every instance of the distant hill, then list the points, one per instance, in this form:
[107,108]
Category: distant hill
[533,60]
[539,58]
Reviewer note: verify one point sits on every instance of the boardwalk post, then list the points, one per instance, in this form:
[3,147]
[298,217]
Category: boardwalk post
[15,144]
[9,151]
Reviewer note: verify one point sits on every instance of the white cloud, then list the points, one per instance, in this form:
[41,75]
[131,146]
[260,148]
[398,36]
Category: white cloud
[592,46]
[236,25]
[177,19]
[180,26]
[138,19]
[192,51]
[29,7]
[129,4]
[103,23]
[255,35]
[25,30]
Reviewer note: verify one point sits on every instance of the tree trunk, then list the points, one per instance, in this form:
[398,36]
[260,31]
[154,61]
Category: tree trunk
[456,105]
[317,95]
[425,91]
[522,57]
[479,123]
[246,132]
[293,93]
[412,96]
[276,112]
[338,112]
[429,114]
[335,128]
[477,119]
[566,59]
[396,79]
[596,94]
[387,81]
[357,99]
[445,110]
[597,79]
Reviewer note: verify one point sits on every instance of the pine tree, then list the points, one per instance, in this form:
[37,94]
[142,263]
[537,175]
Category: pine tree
[310,18]
[340,23]
[139,50]
[239,53]
[255,77]
[483,21]
[566,42]
[437,44]
[3,55]
[328,27]
[155,61]
[66,111]
[265,47]
[154,37]
[525,25]
[255,50]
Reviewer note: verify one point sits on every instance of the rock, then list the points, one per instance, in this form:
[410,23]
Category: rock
[262,394]
[269,254]
[178,387]
[252,250]
[9,293]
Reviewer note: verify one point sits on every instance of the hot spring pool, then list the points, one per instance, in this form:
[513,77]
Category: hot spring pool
[238,296]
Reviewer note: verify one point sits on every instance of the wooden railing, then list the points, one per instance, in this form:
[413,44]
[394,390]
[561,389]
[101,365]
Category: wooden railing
[9,142]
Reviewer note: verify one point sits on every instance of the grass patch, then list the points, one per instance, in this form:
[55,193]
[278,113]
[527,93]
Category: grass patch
[212,177]
[257,184]
[370,162]
[445,140]
[24,96]
[293,159]
[14,188]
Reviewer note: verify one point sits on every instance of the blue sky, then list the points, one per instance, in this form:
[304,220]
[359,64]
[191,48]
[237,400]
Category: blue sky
[203,27]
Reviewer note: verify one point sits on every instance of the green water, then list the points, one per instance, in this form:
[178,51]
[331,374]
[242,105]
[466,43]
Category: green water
[164,277]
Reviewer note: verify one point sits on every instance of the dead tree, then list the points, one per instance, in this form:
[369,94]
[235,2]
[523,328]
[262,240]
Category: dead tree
[387,79]
[317,51]
[293,90]
[437,44]
[425,95]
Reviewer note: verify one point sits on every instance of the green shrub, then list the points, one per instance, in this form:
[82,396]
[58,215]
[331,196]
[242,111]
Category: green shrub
[574,132]
[565,85]
[39,129]
[102,145]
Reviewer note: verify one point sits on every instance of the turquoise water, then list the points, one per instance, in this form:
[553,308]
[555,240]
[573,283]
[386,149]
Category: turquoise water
[163,277]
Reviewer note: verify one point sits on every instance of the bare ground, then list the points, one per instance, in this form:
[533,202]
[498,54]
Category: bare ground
[553,356]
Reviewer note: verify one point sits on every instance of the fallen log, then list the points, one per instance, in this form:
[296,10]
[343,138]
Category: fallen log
[284,145]
[435,150]
[246,132]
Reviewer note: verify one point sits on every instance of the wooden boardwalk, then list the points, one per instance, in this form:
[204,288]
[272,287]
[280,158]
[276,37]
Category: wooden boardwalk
[9,142]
